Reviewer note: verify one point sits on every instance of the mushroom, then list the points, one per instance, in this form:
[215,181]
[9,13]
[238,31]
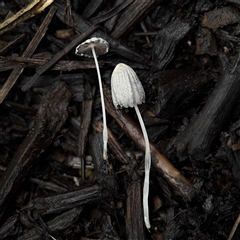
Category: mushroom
[95,47]
[127,91]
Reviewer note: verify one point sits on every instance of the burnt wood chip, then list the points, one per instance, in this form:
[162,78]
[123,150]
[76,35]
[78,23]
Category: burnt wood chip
[174,90]
[173,176]
[220,17]
[206,42]
[92,7]
[9,228]
[59,223]
[201,132]
[10,63]
[58,56]
[233,154]
[86,116]
[237,2]
[64,201]
[50,117]
[104,173]
[131,16]
[134,213]
[167,40]
[115,46]
[111,13]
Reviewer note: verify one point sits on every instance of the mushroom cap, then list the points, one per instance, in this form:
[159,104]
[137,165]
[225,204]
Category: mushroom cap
[127,90]
[85,49]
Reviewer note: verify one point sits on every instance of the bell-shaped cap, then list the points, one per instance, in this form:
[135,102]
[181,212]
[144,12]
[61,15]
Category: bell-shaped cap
[127,90]
[85,49]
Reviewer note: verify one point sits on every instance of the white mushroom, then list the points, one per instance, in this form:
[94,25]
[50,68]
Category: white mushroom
[95,47]
[127,91]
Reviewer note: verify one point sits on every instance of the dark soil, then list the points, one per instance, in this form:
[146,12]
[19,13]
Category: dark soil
[54,182]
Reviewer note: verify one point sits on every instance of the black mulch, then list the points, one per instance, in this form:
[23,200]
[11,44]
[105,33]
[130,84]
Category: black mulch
[54,183]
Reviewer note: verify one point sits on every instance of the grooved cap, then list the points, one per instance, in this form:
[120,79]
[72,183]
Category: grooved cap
[85,49]
[127,90]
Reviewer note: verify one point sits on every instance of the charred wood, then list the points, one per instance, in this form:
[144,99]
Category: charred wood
[131,16]
[134,214]
[64,201]
[174,177]
[116,47]
[167,40]
[197,138]
[174,90]
[59,223]
[58,56]
[49,119]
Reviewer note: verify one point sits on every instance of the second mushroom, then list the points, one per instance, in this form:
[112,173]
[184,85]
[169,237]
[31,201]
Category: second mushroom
[127,91]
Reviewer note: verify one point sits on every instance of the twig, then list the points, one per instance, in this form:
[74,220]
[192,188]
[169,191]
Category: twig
[27,53]
[234,228]
[160,162]
[82,25]
[132,15]
[58,56]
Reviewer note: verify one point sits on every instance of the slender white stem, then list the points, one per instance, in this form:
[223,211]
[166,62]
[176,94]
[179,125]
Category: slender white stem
[105,134]
[147,169]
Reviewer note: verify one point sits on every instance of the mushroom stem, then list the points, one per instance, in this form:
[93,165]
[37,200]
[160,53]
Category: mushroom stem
[147,169]
[105,134]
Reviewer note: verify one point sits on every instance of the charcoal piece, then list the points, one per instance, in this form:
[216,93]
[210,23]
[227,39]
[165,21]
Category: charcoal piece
[112,15]
[232,154]
[86,116]
[78,39]
[174,177]
[203,6]
[220,17]
[227,37]
[68,200]
[174,90]
[75,82]
[105,175]
[57,224]
[155,132]
[134,213]
[206,42]
[115,46]
[92,7]
[197,138]
[161,16]
[237,2]
[167,40]
[50,117]
[131,16]
[9,228]
[48,185]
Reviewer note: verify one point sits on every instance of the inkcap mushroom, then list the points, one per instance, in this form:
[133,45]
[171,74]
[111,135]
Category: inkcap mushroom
[95,47]
[127,91]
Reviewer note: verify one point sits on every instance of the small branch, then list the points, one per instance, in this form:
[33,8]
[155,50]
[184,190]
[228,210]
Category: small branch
[234,228]
[27,53]
[160,162]
[58,56]
[200,133]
